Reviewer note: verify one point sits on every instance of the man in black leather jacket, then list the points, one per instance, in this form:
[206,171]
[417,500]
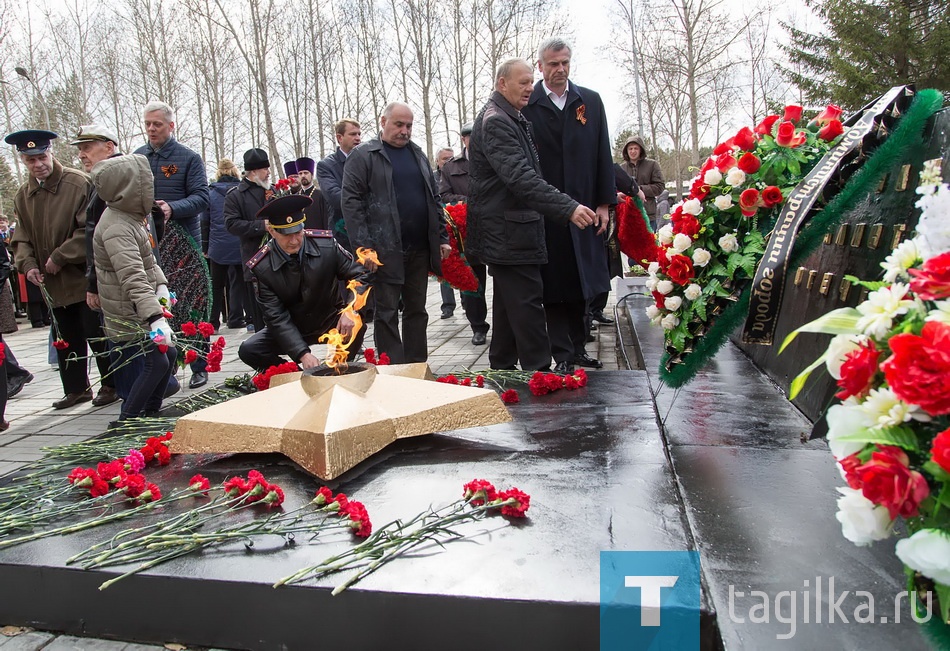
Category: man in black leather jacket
[298,274]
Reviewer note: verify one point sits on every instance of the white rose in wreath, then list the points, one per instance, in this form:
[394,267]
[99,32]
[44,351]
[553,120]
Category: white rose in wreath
[712,177]
[735,177]
[728,242]
[681,242]
[723,201]
[928,552]
[670,321]
[862,521]
[665,235]
[693,291]
[651,283]
[701,257]
[673,303]
[692,207]
[664,287]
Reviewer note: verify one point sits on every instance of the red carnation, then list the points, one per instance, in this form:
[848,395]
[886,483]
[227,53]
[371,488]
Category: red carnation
[680,270]
[151,494]
[749,163]
[940,451]
[510,397]
[199,484]
[369,355]
[190,356]
[148,453]
[60,344]
[273,495]
[745,139]
[772,196]
[98,488]
[857,371]
[189,329]
[215,356]
[581,376]
[206,329]
[383,360]
[570,382]
[480,381]
[261,381]
[831,131]
[522,502]
[749,202]
[765,126]
[163,348]
[323,496]
[888,481]
[932,281]
[132,485]
[536,385]
[359,519]
[919,370]
[111,472]
[81,477]
[235,486]
[478,491]
[164,455]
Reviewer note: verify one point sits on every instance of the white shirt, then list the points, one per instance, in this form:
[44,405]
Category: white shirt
[560,101]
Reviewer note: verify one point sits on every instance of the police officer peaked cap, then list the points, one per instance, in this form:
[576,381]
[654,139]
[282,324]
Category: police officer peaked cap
[286,213]
[31,141]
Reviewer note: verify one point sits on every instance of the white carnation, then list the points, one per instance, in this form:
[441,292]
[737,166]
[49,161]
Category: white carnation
[838,349]
[862,521]
[887,410]
[728,242]
[664,287]
[673,303]
[735,177]
[928,552]
[693,291]
[712,177]
[701,257]
[899,261]
[681,242]
[670,321]
[692,207]
[665,235]
[723,201]
[880,309]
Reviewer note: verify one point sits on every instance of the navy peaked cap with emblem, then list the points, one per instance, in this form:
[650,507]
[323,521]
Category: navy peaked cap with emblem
[286,213]
[31,141]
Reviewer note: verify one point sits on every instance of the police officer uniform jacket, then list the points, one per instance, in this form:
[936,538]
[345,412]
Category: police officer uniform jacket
[299,294]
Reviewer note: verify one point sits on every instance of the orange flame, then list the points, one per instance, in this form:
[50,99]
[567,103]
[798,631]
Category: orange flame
[338,344]
[363,254]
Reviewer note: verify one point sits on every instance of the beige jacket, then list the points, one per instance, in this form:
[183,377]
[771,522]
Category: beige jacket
[127,272]
[51,224]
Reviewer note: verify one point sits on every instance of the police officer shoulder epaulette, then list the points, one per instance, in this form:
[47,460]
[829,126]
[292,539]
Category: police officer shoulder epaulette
[257,257]
[315,232]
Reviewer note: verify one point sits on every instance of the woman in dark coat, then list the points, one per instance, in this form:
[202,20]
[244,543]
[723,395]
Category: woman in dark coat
[223,251]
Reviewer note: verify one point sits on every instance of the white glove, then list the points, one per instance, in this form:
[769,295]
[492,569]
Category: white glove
[162,293]
[160,327]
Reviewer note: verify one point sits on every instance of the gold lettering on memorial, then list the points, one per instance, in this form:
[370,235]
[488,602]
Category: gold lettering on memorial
[826,283]
[857,235]
[827,239]
[903,178]
[882,185]
[799,276]
[842,235]
[899,231]
[812,275]
[844,289]
[874,236]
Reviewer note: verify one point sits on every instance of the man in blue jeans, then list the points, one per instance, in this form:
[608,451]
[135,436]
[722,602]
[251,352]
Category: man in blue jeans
[181,190]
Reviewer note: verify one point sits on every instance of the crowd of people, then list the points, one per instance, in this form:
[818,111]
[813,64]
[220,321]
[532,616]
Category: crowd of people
[535,171]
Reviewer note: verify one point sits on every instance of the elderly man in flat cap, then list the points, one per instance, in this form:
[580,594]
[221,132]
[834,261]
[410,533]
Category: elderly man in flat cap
[49,248]
[297,274]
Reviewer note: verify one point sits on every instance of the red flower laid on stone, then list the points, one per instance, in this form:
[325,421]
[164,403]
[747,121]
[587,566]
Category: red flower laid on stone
[189,329]
[132,485]
[369,355]
[510,397]
[151,494]
[323,496]
[206,329]
[235,486]
[520,507]
[60,344]
[383,360]
[919,370]
[262,380]
[359,519]
[81,477]
[857,371]
[479,491]
[581,376]
[199,484]
[480,381]
[932,281]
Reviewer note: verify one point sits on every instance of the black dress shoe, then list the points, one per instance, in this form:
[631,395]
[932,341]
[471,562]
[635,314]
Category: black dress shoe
[198,380]
[447,314]
[587,361]
[16,383]
[479,339]
[563,368]
[600,317]
[590,338]
[106,396]
[71,399]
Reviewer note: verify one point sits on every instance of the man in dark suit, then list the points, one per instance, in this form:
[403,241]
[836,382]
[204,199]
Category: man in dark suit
[505,225]
[330,176]
[574,148]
